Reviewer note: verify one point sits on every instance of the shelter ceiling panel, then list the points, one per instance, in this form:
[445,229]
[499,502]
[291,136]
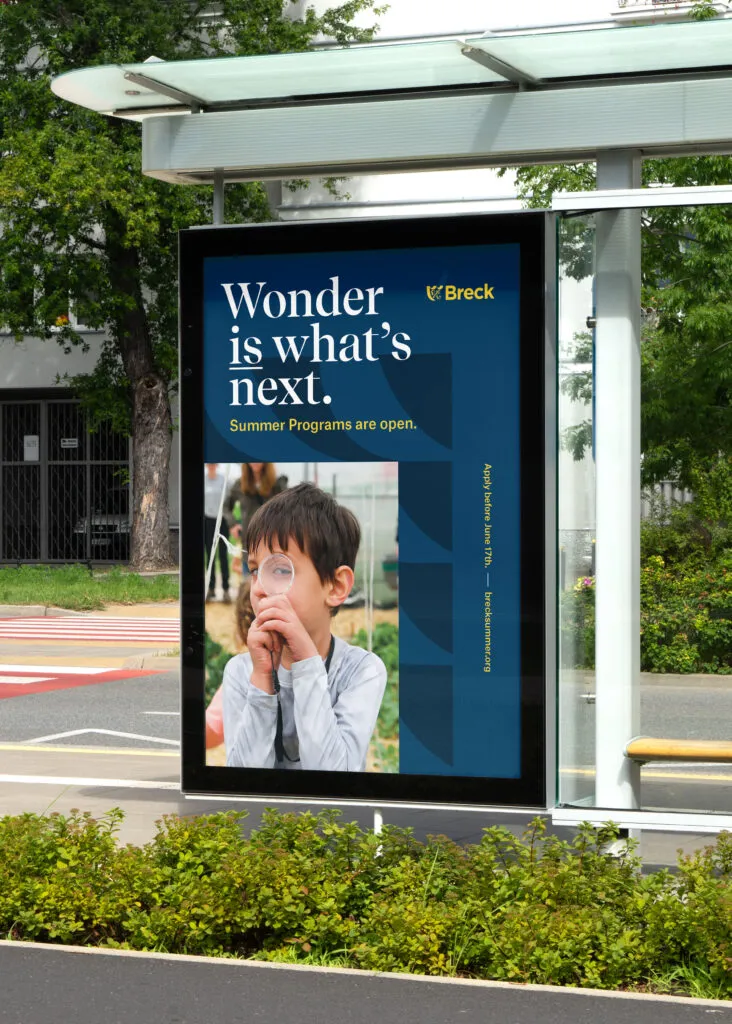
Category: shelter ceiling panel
[478,130]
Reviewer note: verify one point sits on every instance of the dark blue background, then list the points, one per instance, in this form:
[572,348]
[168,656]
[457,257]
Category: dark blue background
[461,387]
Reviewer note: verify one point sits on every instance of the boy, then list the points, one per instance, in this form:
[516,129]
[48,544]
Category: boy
[329,692]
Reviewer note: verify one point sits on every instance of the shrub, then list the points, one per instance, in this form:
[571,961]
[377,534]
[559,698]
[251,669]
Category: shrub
[686,617]
[310,889]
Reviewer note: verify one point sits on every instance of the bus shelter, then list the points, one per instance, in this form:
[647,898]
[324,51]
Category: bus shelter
[615,96]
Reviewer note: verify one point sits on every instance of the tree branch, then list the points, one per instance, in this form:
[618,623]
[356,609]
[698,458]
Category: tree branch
[91,243]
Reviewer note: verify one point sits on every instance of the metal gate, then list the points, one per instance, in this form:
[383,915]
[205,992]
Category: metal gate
[64,492]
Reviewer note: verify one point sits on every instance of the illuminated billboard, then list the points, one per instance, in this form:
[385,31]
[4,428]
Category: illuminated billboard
[362,438]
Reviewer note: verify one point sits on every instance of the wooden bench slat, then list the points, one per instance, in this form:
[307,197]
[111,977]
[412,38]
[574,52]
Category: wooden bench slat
[649,748]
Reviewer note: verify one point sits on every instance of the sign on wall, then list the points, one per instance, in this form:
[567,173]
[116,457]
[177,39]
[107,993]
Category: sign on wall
[362,420]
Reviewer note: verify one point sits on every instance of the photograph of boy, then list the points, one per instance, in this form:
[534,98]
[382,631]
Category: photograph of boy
[330,693]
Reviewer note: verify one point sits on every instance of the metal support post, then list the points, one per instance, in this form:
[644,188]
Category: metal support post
[378,821]
[218,197]
[551,470]
[617,446]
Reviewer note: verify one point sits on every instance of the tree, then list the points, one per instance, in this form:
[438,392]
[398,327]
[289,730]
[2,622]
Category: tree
[686,337]
[80,223]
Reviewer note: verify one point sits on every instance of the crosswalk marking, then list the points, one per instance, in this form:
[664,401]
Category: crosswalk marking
[91,628]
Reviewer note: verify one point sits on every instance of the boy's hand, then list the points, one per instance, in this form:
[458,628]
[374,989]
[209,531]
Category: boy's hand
[264,647]
[276,615]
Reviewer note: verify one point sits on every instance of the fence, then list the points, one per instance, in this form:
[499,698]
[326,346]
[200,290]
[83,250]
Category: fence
[64,491]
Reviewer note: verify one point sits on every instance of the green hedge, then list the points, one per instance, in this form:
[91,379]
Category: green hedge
[309,889]
[686,617]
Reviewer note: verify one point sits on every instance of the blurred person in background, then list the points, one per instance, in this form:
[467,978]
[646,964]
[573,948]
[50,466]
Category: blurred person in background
[259,482]
[214,482]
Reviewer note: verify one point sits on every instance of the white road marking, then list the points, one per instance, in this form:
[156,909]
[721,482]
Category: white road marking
[60,780]
[102,732]
[76,751]
[57,670]
[24,680]
[176,713]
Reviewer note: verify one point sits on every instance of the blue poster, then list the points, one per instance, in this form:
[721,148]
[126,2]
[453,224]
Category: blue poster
[409,357]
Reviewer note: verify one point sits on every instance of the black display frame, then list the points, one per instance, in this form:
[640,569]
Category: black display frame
[528,231]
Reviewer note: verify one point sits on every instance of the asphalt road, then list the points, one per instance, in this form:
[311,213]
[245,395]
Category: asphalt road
[143,713]
[147,708]
[693,712]
[45,985]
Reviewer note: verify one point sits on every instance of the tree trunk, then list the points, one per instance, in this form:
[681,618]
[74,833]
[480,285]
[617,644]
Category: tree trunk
[151,445]
[151,417]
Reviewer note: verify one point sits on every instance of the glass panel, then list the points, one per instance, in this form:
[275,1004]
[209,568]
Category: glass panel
[576,511]
[344,70]
[353,69]
[615,51]
[686,531]
[543,55]
[686,526]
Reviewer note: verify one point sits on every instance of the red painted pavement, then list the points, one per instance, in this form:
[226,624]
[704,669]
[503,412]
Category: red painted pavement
[65,682]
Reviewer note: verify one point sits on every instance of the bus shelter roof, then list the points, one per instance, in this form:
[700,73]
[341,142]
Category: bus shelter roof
[483,100]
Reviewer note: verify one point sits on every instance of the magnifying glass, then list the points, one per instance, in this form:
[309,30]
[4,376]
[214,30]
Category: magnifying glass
[276,574]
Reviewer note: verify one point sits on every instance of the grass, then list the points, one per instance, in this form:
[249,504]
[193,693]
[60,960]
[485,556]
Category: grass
[75,587]
[692,979]
[337,958]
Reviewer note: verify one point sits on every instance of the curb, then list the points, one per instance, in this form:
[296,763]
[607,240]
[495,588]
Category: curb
[33,611]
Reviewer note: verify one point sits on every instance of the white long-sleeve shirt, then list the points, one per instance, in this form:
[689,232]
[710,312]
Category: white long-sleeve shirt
[327,718]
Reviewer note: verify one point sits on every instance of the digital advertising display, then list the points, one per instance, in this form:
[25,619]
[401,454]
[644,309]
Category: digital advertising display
[362,510]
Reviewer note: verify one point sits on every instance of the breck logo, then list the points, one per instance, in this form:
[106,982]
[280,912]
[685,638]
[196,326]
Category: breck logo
[451,292]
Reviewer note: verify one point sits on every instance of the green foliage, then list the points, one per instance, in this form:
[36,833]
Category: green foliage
[79,219]
[578,386]
[76,587]
[694,532]
[577,624]
[703,10]
[385,743]
[217,658]
[307,888]
[686,616]
[686,351]
[686,606]
[84,232]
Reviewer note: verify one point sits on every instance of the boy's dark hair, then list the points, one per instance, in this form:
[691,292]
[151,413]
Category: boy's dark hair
[325,531]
